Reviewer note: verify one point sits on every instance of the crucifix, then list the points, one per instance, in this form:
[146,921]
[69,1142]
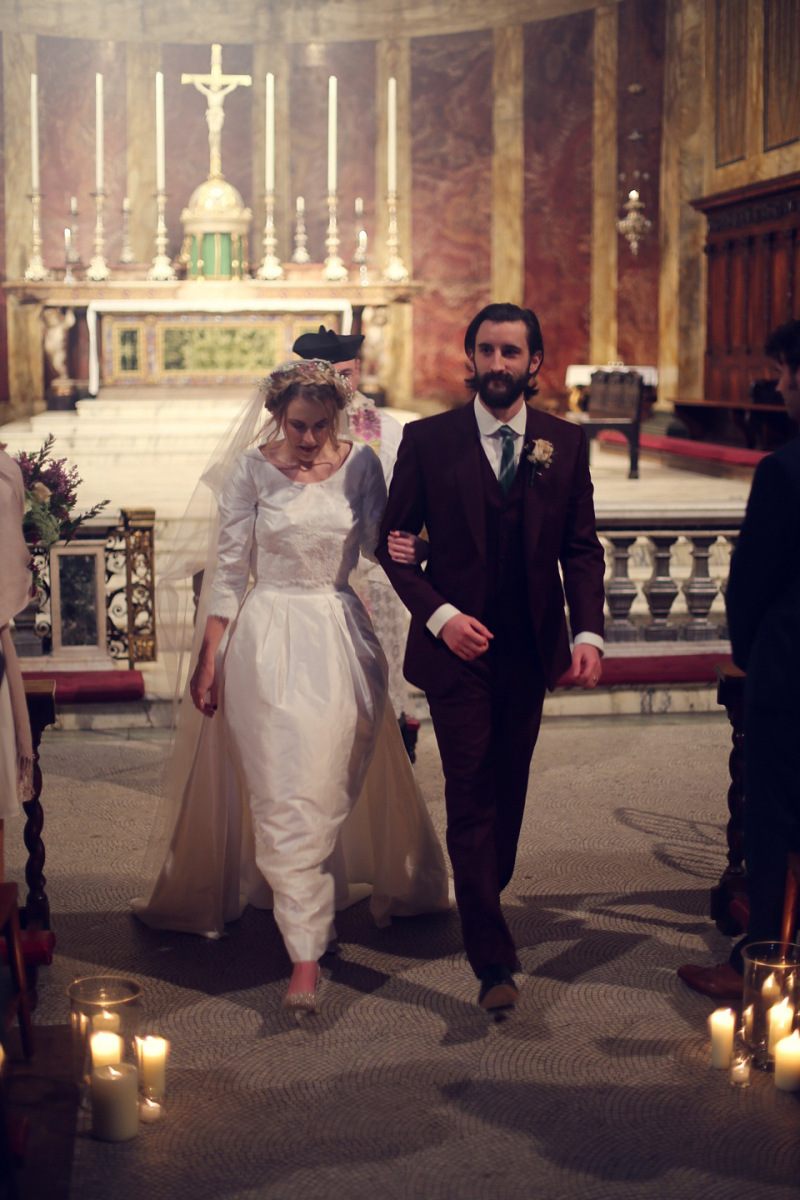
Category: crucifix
[215,87]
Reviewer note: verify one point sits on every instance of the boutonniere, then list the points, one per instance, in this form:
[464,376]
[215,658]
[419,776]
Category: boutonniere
[540,455]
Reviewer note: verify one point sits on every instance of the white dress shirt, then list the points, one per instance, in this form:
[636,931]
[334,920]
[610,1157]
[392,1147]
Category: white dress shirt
[492,443]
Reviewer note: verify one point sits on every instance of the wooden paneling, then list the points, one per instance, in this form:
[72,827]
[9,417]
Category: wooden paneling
[753,250]
[731,81]
[781,66]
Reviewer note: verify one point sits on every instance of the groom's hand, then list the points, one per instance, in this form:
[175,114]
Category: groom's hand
[585,670]
[466,637]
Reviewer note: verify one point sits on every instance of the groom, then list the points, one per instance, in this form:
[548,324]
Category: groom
[504,493]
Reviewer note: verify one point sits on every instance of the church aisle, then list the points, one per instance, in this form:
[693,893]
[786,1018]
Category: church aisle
[598,1086]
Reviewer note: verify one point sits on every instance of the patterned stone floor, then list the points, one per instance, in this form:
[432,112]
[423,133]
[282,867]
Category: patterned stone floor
[598,1087]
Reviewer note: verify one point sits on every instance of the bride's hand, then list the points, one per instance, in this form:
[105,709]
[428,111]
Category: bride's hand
[407,548]
[204,684]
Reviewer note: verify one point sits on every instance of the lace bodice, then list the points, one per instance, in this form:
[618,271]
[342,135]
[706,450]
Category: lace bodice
[294,535]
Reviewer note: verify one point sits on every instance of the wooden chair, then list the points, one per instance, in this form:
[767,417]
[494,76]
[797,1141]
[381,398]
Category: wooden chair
[616,402]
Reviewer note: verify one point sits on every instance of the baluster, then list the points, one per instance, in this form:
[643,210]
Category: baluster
[700,591]
[621,591]
[661,590]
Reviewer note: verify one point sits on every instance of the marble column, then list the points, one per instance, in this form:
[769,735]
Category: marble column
[393,59]
[508,168]
[682,275]
[143,60]
[605,240]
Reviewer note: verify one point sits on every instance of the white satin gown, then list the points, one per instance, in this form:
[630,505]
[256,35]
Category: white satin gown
[303,703]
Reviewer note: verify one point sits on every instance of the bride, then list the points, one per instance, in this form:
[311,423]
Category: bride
[292,682]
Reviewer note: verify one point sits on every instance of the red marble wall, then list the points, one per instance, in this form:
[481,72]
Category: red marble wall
[66,70]
[4,392]
[641,62]
[558,189]
[353,64]
[451,162]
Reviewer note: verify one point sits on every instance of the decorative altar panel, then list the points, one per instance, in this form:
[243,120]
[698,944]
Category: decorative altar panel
[753,251]
[781,65]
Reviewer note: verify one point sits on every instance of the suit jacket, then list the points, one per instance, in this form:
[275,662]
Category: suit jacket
[438,484]
[763,593]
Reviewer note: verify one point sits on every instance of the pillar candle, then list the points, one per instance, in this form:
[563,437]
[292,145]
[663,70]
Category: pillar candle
[161,172]
[104,1020]
[787,1063]
[98,115]
[152,1053]
[332,147]
[779,1023]
[106,1049]
[150,1111]
[770,989]
[73,206]
[391,144]
[34,133]
[269,173]
[115,1102]
[721,1025]
[300,204]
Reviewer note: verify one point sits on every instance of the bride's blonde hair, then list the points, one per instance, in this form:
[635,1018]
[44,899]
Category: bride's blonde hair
[313,379]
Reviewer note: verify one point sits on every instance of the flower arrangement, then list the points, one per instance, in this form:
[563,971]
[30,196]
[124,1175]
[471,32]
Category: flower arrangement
[51,490]
[540,455]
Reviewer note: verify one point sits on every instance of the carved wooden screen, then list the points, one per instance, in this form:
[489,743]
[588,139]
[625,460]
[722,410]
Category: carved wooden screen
[753,250]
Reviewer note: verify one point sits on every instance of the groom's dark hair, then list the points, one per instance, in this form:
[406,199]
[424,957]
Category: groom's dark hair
[498,313]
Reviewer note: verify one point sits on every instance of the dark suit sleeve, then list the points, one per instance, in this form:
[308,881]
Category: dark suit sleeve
[581,554]
[762,565]
[406,510]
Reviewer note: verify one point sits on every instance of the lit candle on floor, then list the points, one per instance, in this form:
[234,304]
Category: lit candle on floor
[150,1111]
[787,1063]
[115,1102]
[152,1052]
[740,1070]
[779,1022]
[721,1023]
[106,1049]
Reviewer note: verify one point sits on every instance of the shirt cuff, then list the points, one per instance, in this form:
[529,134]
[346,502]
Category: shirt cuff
[439,618]
[588,639]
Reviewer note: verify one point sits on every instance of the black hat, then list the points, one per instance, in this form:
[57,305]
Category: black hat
[327,345]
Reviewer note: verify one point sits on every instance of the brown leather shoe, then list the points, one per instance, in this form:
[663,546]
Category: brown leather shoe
[720,982]
[498,989]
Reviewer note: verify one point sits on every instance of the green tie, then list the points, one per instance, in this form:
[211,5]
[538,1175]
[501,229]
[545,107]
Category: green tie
[507,468]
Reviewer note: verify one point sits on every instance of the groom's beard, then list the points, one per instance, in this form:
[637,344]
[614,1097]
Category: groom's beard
[498,389]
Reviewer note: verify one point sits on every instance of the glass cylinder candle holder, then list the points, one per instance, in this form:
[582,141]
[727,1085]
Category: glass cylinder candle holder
[770,995]
[104,1019]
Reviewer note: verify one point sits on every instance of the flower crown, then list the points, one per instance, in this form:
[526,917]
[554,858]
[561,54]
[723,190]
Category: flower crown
[303,370]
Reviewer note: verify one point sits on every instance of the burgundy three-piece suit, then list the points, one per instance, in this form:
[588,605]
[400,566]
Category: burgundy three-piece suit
[496,558]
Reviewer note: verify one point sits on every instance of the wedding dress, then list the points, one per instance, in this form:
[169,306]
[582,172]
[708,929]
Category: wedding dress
[302,707]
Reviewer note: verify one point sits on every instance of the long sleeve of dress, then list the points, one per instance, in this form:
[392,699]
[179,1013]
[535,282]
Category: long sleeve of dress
[237,517]
[373,502]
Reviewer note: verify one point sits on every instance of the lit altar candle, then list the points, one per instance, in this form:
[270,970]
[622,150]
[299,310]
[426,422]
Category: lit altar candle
[391,147]
[161,172]
[269,174]
[152,1052]
[115,1102]
[98,119]
[102,1021]
[721,1024]
[359,207]
[67,243]
[34,133]
[106,1049]
[787,1063]
[779,1023]
[73,206]
[332,149]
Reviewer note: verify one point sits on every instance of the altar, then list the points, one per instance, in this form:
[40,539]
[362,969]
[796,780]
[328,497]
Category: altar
[134,333]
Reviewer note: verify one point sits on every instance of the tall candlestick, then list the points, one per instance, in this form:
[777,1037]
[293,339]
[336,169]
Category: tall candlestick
[391,146]
[98,118]
[332,149]
[34,133]
[161,174]
[269,174]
